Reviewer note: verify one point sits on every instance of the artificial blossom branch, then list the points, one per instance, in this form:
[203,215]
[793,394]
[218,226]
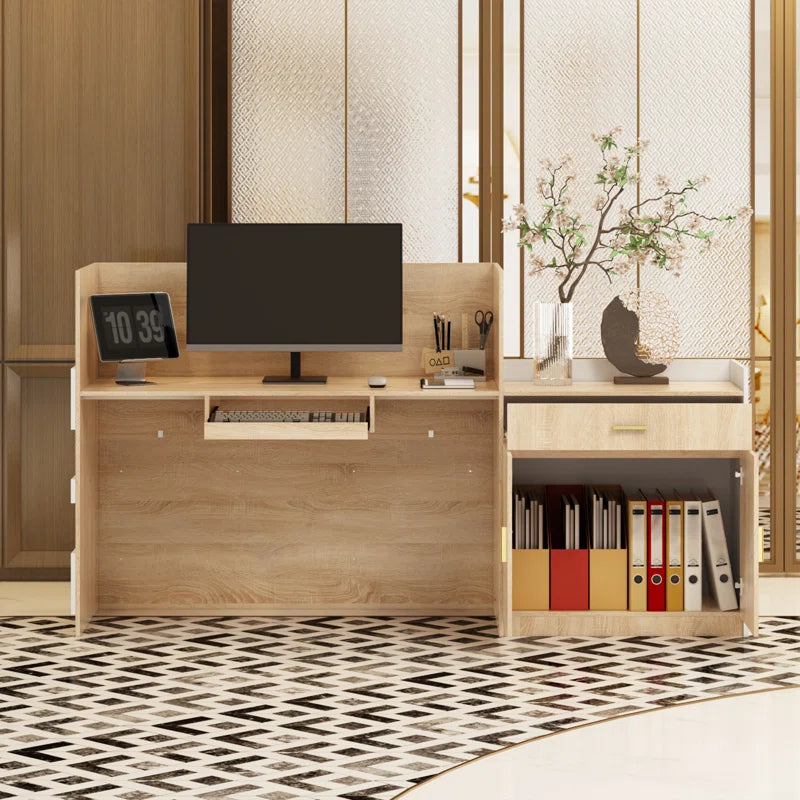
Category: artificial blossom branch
[654,231]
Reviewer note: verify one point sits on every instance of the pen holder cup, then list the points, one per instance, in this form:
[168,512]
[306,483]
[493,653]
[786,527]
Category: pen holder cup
[473,360]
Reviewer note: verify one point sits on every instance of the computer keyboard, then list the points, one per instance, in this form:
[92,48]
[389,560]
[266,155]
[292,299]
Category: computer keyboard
[217,415]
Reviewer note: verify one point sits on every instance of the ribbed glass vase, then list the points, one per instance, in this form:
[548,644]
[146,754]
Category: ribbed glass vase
[552,340]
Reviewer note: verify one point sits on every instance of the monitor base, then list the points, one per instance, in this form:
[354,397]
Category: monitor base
[295,376]
[131,373]
[299,379]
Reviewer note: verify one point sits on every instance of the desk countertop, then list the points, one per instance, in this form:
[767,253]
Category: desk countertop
[188,388]
[608,391]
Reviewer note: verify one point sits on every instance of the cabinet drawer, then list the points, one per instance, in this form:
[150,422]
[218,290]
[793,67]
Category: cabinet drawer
[629,426]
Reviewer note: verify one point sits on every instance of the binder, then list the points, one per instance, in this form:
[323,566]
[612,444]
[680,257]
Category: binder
[608,563]
[569,568]
[656,552]
[530,559]
[715,550]
[692,554]
[674,524]
[637,553]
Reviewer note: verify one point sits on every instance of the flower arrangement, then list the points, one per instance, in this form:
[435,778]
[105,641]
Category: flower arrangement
[654,231]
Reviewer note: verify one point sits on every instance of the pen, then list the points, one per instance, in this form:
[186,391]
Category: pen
[448,334]
[436,330]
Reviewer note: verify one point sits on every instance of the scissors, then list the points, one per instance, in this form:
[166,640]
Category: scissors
[484,322]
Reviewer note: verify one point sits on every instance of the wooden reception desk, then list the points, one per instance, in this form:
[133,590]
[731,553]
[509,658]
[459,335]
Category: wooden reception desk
[410,513]
[180,516]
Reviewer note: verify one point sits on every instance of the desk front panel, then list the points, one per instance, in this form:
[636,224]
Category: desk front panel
[401,522]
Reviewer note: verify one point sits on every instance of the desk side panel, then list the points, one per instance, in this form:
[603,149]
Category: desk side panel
[748,550]
[401,523]
[86,284]
[86,477]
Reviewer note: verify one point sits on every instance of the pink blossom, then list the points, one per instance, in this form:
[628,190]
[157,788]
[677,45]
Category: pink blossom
[520,212]
[535,262]
[531,236]
[509,225]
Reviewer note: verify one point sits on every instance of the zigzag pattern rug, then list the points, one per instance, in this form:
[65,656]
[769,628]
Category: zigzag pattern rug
[278,709]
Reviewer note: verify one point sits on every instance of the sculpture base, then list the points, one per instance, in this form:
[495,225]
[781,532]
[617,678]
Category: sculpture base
[629,380]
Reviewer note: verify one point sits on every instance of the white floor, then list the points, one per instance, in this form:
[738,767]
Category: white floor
[779,597]
[743,746]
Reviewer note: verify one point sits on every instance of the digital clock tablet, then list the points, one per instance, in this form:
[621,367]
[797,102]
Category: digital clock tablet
[134,327]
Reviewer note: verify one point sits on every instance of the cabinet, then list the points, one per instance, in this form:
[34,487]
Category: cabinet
[684,436]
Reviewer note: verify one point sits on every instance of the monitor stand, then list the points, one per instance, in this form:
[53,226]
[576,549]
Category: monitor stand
[295,377]
[131,373]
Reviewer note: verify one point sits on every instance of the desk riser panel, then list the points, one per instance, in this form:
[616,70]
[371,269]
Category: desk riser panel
[447,288]
[401,520]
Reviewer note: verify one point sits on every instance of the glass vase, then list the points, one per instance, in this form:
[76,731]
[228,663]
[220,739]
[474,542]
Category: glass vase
[552,343]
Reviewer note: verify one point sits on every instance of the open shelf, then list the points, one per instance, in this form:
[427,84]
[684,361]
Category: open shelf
[724,475]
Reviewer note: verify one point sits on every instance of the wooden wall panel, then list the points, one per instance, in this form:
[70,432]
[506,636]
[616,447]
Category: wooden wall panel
[100,161]
[100,150]
[37,467]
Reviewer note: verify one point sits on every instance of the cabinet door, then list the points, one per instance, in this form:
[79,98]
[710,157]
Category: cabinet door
[39,454]
[100,151]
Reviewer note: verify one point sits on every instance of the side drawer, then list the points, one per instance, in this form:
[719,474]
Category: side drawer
[629,426]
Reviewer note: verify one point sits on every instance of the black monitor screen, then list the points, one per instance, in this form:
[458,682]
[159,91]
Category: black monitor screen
[294,287]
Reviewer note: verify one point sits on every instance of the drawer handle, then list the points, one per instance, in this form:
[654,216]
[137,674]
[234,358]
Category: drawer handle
[629,427]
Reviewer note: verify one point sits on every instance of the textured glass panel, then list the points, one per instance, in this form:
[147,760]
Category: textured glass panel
[402,125]
[287,111]
[695,109]
[579,78]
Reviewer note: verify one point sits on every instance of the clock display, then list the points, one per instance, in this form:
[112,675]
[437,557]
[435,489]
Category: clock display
[134,326]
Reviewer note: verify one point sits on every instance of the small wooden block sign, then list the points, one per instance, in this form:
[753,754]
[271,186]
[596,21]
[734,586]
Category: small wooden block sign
[436,362]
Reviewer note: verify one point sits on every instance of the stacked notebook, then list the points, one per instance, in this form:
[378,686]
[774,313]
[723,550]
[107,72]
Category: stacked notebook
[528,531]
[571,512]
[606,519]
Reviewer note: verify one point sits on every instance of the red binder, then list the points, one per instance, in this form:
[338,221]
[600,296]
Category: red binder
[569,569]
[656,551]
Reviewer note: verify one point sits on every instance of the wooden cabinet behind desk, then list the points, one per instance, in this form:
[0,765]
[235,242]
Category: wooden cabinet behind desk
[100,130]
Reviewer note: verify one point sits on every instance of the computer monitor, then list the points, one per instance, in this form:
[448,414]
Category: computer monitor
[294,288]
[132,329]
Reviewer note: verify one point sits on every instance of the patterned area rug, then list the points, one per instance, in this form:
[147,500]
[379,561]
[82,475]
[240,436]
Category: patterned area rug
[236,708]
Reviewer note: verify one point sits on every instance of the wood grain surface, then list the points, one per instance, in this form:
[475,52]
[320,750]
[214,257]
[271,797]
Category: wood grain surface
[101,159]
[400,520]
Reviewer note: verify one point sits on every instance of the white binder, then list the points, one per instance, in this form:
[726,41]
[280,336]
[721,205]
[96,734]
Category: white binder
[693,555]
[637,553]
[715,550]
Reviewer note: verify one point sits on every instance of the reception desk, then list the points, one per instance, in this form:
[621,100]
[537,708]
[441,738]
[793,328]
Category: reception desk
[177,515]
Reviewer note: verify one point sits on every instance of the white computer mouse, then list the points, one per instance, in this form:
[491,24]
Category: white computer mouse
[377,382]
